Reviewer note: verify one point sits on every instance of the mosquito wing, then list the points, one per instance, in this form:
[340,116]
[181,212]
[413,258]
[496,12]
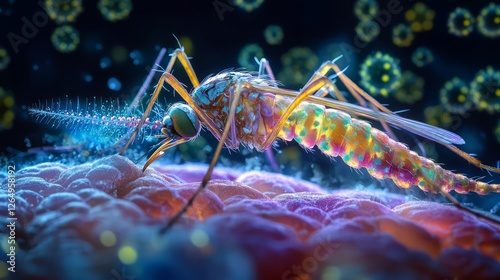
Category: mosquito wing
[422,129]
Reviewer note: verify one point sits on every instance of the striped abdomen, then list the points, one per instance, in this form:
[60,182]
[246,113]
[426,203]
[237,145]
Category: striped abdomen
[335,133]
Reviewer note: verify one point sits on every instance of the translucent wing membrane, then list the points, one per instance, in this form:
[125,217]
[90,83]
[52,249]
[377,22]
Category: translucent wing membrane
[422,129]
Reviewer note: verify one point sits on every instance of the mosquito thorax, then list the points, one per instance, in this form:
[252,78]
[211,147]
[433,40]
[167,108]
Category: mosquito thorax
[181,122]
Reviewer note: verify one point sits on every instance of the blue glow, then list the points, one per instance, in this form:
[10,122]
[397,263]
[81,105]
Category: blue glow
[87,78]
[114,84]
[137,57]
[105,62]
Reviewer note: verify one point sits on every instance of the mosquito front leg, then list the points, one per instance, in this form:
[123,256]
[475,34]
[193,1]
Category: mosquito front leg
[184,60]
[208,174]
[177,86]
[266,70]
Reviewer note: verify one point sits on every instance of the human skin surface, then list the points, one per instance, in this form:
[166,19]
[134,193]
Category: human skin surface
[101,220]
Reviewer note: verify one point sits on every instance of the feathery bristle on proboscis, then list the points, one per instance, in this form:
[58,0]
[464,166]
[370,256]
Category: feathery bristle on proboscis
[103,120]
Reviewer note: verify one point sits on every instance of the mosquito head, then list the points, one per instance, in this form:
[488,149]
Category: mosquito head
[181,122]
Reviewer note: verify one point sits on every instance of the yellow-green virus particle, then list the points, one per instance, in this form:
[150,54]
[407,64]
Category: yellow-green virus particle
[6,109]
[115,10]
[247,55]
[63,11]
[497,131]
[455,96]
[367,30]
[380,74]
[365,9]
[273,34]
[422,57]
[437,116]
[485,90]
[460,22]
[4,58]
[488,21]
[420,17]
[411,89]
[248,5]
[299,64]
[65,38]
[402,35]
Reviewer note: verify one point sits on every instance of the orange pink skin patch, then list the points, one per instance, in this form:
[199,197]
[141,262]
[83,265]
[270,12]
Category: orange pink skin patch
[257,225]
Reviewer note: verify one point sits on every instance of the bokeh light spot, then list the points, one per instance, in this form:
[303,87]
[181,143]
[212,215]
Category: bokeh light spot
[127,255]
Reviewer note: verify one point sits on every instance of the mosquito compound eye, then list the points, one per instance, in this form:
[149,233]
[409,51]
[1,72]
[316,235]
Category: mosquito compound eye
[183,120]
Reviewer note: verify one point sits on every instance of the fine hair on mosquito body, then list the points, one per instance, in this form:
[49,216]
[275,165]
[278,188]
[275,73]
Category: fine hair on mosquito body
[240,107]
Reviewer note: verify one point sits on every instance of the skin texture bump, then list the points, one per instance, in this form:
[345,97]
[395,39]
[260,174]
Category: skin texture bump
[101,219]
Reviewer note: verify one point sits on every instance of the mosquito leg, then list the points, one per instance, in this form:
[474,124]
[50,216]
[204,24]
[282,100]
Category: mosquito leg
[471,159]
[265,70]
[361,96]
[178,87]
[308,90]
[208,175]
[146,83]
[146,113]
[180,55]
[457,204]
[355,89]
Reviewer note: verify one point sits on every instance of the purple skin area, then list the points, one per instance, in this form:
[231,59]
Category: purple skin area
[101,220]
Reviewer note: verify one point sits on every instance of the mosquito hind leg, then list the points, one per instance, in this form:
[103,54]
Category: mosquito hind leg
[355,90]
[358,93]
[311,88]
[456,203]
[265,69]
[471,159]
